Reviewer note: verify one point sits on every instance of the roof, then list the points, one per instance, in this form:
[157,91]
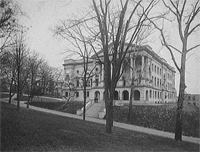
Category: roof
[145,48]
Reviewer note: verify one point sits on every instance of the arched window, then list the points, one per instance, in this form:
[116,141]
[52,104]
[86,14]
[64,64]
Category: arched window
[125,95]
[147,95]
[116,95]
[136,95]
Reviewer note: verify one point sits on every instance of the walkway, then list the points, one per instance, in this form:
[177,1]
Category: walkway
[116,124]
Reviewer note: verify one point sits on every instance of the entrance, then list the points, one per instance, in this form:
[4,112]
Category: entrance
[96,96]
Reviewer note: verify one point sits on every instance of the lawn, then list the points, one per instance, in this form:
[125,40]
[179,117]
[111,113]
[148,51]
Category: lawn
[4,95]
[71,107]
[160,118]
[29,130]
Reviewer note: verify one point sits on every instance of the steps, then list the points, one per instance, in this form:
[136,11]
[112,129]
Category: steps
[93,111]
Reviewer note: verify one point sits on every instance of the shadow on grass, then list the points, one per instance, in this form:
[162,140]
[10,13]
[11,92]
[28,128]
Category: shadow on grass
[29,130]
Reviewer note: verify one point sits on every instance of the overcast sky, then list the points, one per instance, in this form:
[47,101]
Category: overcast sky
[44,14]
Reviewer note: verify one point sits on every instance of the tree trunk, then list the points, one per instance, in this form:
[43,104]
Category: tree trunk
[84,108]
[10,91]
[182,86]
[109,118]
[130,102]
[27,106]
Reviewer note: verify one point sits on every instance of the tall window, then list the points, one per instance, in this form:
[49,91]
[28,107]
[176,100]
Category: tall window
[77,83]
[77,94]
[150,93]
[157,82]
[66,94]
[97,82]
[88,93]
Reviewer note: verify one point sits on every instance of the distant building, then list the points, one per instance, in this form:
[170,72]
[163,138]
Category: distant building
[155,78]
[192,99]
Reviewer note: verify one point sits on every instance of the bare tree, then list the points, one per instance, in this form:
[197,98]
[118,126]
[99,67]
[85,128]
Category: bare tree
[45,72]
[9,11]
[75,33]
[34,62]
[8,71]
[117,28]
[186,16]
[20,53]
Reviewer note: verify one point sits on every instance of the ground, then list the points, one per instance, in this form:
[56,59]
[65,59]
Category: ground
[29,130]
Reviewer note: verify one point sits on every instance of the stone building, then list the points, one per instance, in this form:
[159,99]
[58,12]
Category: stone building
[154,78]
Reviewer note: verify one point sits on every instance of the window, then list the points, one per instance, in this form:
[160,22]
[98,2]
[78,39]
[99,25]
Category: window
[189,98]
[193,98]
[155,95]
[77,71]
[77,83]
[88,83]
[157,82]
[91,82]
[152,67]
[157,70]
[150,93]
[124,81]
[77,94]
[66,94]
[97,69]
[97,82]
[160,72]
[88,93]
[160,83]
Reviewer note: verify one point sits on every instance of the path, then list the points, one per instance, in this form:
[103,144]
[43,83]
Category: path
[116,124]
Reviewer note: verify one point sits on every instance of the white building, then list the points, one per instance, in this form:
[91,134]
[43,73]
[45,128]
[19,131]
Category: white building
[155,78]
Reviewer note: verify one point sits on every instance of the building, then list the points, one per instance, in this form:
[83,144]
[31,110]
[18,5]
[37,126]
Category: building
[155,78]
[193,99]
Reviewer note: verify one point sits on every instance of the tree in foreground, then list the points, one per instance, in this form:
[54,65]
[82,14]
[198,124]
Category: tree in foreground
[118,25]
[186,15]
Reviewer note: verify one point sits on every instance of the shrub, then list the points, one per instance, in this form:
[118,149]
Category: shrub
[159,117]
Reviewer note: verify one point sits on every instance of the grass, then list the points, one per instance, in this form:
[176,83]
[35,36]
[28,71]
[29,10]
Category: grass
[29,130]
[160,118]
[71,107]
[4,95]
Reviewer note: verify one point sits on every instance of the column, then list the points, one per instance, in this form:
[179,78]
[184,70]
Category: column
[131,68]
[102,71]
[142,68]
[147,67]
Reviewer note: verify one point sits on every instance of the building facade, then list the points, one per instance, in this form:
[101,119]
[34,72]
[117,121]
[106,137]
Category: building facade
[154,78]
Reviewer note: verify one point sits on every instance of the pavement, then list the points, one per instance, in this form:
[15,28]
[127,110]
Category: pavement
[116,124]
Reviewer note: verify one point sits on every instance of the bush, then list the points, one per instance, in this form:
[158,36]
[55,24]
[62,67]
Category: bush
[159,117]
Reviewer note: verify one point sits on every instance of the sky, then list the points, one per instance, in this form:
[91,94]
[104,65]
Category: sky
[43,15]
